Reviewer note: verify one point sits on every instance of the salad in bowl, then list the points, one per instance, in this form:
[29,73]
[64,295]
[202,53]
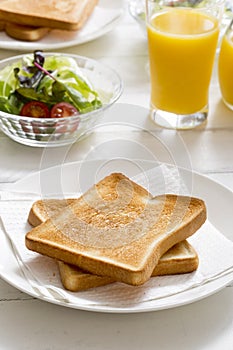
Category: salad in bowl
[54,99]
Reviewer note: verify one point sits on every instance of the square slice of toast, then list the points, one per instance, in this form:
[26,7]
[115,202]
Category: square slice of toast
[181,258]
[117,229]
[59,14]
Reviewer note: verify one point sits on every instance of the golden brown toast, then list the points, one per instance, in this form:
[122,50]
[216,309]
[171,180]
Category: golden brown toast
[42,210]
[117,229]
[181,258]
[2,25]
[59,14]
[25,33]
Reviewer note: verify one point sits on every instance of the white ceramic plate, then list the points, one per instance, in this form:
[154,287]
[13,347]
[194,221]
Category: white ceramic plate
[103,19]
[82,175]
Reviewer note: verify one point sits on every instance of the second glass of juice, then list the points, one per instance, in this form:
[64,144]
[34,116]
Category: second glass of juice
[182,41]
[225,67]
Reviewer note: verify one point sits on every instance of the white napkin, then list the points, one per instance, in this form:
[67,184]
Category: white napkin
[214,250]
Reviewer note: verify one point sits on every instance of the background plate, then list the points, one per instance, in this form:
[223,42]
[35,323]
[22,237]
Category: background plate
[103,19]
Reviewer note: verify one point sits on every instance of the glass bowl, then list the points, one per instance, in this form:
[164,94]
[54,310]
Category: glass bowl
[52,132]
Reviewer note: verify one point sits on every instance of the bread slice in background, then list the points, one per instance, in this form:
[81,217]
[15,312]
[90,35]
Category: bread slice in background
[59,14]
[22,32]
[2,25]
[181,258]
[117,229]
[25,33]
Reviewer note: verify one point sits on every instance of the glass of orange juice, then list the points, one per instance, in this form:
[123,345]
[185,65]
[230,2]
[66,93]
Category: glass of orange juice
[225,67]
[182,41]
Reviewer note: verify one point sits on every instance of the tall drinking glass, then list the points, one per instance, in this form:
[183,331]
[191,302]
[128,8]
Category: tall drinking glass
[225,67]
[182,41]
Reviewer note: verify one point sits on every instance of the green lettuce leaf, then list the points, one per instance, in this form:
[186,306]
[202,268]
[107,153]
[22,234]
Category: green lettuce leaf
[60,79]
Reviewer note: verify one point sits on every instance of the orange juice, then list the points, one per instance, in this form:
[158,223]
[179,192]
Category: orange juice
[182,44]
[225,69]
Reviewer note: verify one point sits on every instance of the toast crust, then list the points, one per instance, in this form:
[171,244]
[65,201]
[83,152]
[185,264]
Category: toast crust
[181,258]
[25,33]
[42,210]
[169,219]
[2,25]
[76,280]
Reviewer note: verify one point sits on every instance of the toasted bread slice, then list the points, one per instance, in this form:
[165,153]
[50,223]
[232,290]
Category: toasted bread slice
[60,14]
[22,32]
[2,25]
[42,210]
[181,258]
[25,33]
[117,229]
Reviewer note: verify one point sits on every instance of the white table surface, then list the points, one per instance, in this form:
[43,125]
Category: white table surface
[28,323]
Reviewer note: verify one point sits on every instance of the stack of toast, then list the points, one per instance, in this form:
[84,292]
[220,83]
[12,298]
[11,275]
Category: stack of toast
[31,20]
[116,231]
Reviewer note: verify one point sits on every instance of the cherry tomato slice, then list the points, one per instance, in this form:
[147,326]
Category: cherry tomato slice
[35,109]
[63,110]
